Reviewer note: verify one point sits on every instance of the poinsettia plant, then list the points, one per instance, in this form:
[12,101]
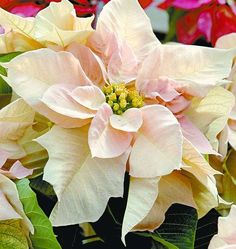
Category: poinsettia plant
[92,117]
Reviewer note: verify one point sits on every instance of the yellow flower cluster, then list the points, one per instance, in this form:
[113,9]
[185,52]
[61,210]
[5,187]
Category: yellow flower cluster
[121,98]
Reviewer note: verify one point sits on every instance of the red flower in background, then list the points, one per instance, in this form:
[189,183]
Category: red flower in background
[208,18]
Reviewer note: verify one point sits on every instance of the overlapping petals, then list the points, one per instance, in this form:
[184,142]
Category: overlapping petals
[94,179]
[186,82]
[195,70]
[56,25]
[15,119]
[229,41]
[214,121]
[51,88]
[158,124]
[193,186]
[136,33]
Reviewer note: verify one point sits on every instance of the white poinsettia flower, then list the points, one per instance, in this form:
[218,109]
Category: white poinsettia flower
[226,236]
[56,25]
[72,92]
[109,136]
[169,75]
[116,105]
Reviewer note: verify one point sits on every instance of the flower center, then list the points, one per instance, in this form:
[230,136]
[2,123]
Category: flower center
[121,98]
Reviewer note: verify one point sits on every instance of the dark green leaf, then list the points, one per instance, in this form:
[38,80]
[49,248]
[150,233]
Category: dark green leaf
[178,230]
[206,228]
[157,245]
[42,187]
[43,237]
[180,226]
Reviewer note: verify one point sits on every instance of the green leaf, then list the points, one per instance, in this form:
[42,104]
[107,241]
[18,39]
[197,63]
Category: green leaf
[4,87]
[8,57]
[178,230]
[12,236]
[43,237]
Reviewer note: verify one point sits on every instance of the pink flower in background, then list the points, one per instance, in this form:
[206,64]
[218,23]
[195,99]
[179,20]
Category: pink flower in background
[206,18]
[26,8]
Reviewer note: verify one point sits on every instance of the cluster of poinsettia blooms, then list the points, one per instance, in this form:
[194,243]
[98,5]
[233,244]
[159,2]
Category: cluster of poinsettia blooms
[111,100]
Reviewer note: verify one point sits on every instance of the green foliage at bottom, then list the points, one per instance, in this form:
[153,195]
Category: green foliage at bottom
[43,237]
